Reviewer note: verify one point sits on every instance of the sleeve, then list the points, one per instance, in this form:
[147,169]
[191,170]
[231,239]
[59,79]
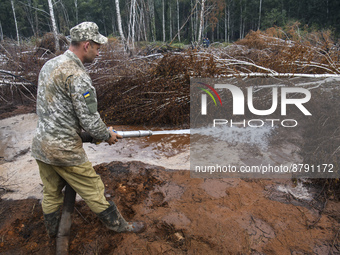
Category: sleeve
[84,100]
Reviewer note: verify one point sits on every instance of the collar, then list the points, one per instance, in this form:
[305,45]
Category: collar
[74,57]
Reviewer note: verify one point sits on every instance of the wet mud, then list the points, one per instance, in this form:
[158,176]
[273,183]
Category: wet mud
[184,215]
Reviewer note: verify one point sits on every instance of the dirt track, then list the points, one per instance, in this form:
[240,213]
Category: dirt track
[184,216]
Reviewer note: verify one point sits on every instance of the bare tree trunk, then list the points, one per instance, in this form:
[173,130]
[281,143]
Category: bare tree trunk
[30,18]
[139,22]
[196,23]
[201,22]
[54,25]
[35,4]
[76,6]
[64,27]
[152,19]
[129,24]
[163,20]
[244,20]
[170,22]
[226,28]
[120,29]
[260,8]
[144,21]
[192,23]
[113,24]
[178,31]
[240,36]
[1,33]
[217,30]
[187,20]
[15,21]
[133,23]
[228,24]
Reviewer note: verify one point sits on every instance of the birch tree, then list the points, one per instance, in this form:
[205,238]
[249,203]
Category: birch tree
[141,25]
[119,21]
[36,19]
[15,22]
[152,19]
[1,33]
[226,22]
[76,7]
[54,25]
[120,28]
[201,21]
[260,9]
[178,30]
[195,23]
[241,14]
[192,22]
[133,3]
[129,23]
[170,21]
[163,20]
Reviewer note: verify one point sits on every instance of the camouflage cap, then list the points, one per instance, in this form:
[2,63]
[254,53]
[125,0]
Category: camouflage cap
[87,31]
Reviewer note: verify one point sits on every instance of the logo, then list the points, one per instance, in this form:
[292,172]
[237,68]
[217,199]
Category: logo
[287,96]
[204,97]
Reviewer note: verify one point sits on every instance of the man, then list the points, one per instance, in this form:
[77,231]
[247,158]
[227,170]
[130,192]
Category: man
[207,42]
[66,105]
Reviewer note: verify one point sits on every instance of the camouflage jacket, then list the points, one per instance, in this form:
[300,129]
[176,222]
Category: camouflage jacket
[66,104]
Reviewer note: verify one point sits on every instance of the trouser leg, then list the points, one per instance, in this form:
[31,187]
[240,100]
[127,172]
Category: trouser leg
[84,180]
[87,183]
[53,197]
[52,190]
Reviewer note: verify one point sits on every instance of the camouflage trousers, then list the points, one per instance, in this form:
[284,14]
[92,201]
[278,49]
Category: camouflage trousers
[82,178]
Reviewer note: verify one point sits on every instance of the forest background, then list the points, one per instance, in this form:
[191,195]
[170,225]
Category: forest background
[160,20]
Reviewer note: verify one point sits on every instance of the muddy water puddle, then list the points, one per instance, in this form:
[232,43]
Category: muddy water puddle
[167,148]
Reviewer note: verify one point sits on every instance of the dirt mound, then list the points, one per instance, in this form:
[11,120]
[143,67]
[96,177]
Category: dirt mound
[184,216]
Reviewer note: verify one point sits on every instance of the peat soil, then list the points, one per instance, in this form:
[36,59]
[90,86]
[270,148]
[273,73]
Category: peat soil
[184,215]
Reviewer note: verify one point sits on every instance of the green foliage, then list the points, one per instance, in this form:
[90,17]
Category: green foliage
[274,17]
[178,45]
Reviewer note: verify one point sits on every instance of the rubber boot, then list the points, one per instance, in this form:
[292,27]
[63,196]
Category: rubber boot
[51,221]
[113,220]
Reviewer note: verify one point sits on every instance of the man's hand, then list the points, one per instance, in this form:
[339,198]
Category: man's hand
[114,137]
